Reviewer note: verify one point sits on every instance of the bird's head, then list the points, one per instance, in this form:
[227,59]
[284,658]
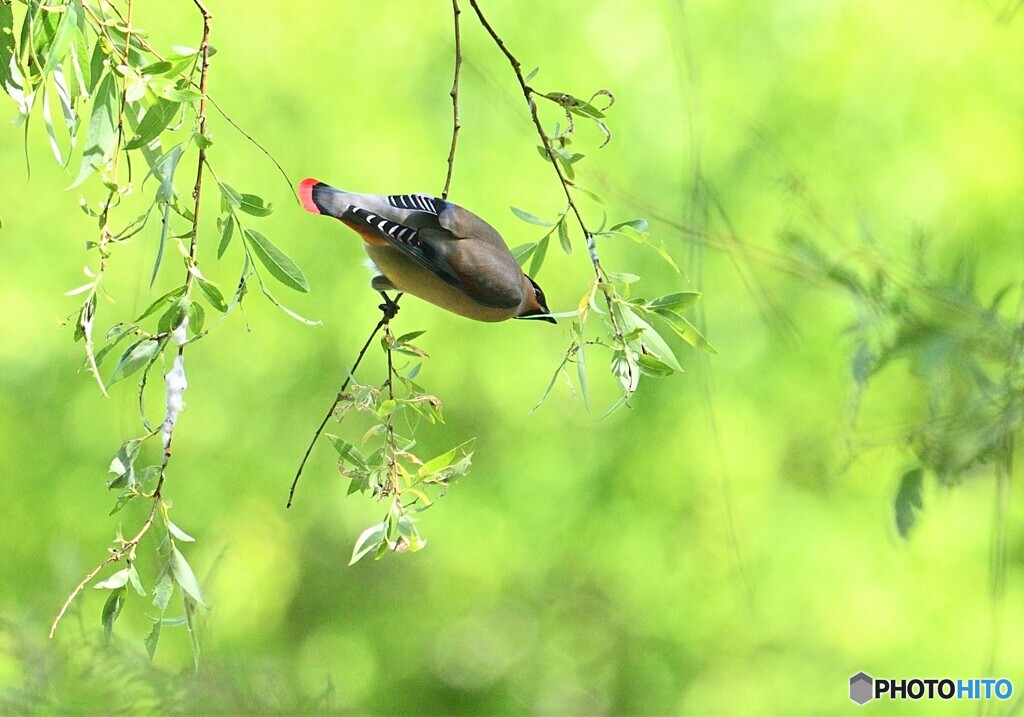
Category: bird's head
[536,305]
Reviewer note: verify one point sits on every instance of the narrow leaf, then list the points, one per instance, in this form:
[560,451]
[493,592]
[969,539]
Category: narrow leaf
[563,237]
[209,290]
[115,581]
[227,229]
[537,261]
[530,218]
[675,302]
[179,533]
[251,204]
[153,638]
[7,48]
[908,501]
[111,609]
[135,357]
[155,121]
[370,539]
[277,263]
[102,128]
[184,576]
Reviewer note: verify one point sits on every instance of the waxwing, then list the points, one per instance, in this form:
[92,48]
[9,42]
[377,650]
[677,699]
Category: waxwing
[435,250]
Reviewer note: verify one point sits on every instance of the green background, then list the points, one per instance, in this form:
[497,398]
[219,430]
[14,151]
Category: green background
[703,552]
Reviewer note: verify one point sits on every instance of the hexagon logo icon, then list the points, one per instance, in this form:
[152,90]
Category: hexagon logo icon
[862,688]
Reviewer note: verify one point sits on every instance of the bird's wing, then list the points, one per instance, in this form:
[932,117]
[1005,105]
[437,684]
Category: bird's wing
[454,244]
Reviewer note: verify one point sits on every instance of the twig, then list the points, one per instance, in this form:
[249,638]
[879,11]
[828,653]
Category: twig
[337,399]
[204,68]
[456,125]
[588,235]
[127,550]
[252,140]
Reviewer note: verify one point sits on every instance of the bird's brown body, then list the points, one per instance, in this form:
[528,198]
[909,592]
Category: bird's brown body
[434,250]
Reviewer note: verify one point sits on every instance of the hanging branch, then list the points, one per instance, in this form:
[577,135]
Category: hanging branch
[384,320]
[175,378]
[600,276]
[391,306]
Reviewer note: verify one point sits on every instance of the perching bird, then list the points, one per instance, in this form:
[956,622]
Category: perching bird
[435,250]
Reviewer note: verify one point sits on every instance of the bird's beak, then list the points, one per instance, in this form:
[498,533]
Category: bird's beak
[539,315]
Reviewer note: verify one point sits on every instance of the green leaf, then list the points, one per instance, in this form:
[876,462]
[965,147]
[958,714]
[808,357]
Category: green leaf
[530,218]
[115,581]
[674,302]
[184,95]
[153,638]
[156,68]
[161,302]
[135,357]
[133,577]
[531,74]
[639,225]
[155,121]
[581,373]
[386,408]
[96,66]
[229,197]
[650,340]
[179,533]
[685,330]
[62,40]
[406,338]
[7,44]
[227,229]
[277,263]
[256,206]
[523,252]
[102,128]
[908,501]
[175,315]
[184,576]
[209,290]
[627,370]
[370,539]
[196,318]
[563,237]
[538,257]
[190,622]
[163,589]
[111,609]
[347,452]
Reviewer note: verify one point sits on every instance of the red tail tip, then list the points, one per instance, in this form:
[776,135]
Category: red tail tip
[306,194]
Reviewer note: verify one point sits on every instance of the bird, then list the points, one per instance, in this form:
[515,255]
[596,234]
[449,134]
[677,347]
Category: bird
[435,250]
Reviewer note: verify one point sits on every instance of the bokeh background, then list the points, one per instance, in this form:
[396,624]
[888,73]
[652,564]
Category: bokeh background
[724,546]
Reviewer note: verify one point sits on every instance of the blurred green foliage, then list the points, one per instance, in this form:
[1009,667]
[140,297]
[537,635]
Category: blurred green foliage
[729,545]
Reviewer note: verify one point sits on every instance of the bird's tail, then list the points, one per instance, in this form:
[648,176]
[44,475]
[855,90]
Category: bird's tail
[320,198]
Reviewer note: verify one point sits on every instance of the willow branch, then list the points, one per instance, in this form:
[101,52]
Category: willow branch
[456,125]
[588,235]
[176,377]
[341,395]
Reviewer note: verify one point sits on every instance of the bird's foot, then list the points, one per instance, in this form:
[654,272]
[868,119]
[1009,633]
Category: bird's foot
[389,308]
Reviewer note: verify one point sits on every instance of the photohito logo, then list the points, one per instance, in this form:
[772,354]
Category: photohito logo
[864,688]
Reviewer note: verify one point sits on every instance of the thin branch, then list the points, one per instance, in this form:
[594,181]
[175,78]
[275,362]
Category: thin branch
[252,140]
[341,395]
[456,125]
[127,549]
[588,235]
